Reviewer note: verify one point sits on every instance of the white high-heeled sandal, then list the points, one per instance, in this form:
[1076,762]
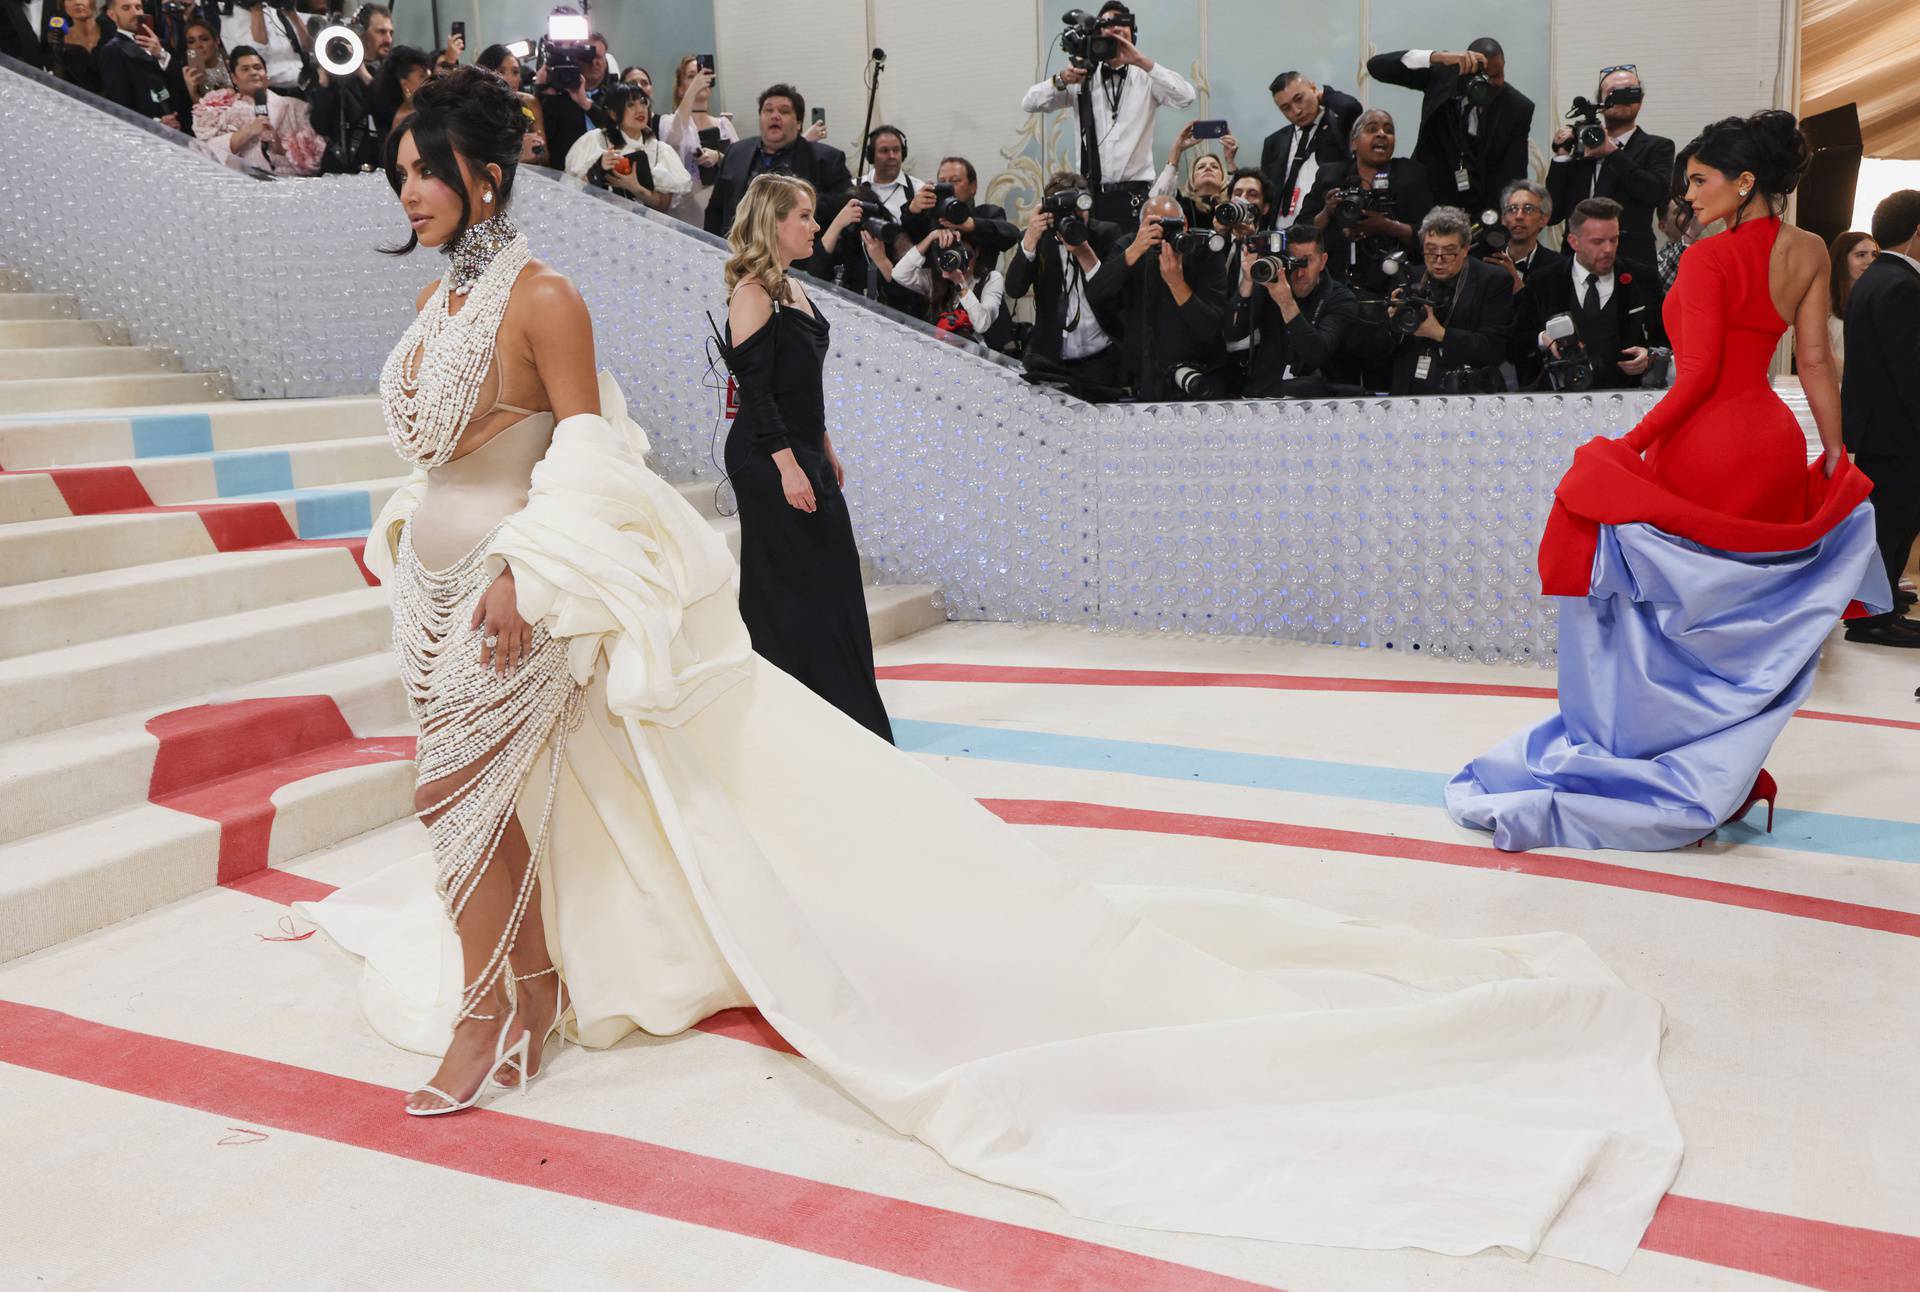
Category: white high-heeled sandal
[560,1006]
[503,1055]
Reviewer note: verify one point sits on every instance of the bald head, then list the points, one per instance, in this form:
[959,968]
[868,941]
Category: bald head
[1160,208]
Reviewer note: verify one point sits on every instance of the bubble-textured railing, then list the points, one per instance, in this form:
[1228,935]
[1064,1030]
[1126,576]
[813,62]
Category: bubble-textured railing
[1400,524]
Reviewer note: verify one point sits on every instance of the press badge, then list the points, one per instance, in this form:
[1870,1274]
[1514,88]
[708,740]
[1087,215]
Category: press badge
[1460,180]
[1422,368]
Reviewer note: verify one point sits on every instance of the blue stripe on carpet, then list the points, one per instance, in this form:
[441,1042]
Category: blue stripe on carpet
[169,435]
[1822,832]
[263,471]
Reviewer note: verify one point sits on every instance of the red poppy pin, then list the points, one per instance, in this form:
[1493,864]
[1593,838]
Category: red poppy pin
[1626,280]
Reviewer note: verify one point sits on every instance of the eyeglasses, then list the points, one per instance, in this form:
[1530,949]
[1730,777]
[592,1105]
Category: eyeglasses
[1434,251]
[1523,208]
[1605,72]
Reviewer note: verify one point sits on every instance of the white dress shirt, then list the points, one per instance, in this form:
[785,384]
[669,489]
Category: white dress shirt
[1309,170]
[1088,337]
[281,54]
[1125,135]
[913,272]
[896,194]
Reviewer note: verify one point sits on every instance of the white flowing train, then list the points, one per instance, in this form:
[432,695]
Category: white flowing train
[1190,1060]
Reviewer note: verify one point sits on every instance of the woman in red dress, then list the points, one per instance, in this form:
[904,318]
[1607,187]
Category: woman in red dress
[1701,559]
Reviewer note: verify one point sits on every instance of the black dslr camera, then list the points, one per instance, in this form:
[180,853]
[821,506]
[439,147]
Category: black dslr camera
[876,219]
[1070,209]
[1572,368]
[1407,312]
[1490,237]
[1189,242]
[1233,213]
[1478,90]
[948,207]
[1589,131]
[1357,200]
[1275,258]
[1083,42]
[947,259]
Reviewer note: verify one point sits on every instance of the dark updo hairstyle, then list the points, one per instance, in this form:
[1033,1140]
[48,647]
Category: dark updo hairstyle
[401,61]
[468,113]
[1768,144]
[615,99]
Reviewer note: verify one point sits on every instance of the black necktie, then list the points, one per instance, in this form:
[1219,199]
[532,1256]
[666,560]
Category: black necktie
[1592,302]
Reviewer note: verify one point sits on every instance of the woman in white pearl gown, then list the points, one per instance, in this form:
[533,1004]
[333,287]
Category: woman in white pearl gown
[712,835]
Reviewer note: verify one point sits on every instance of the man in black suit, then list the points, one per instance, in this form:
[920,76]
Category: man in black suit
[1171,306]
[1072,340]
[780,148]
[1458,345]
[1614,303]
[1880,400]
[1473,125]
[1525,210]
[1318,123]
[133,65]
[985,225]
[1293,325]
[1632,167]
[17,37]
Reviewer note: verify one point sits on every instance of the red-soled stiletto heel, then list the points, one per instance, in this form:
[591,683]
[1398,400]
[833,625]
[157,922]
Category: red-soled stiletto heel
[1764,789]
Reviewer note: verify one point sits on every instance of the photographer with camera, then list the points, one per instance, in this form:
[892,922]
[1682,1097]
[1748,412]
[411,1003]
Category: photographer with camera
[961,292]
[1603,153]
[1114,90]
[949,204]
[1288,317]
[1319,122]
[1607,304]
[886,180]
[779,147]
[1168,292]
[1367,208]
[1525,211]
[1206,185]
[277,35]
[1450,328]
[133,65]
[569,94]
[1473,125]
[626,158]
[1062,249]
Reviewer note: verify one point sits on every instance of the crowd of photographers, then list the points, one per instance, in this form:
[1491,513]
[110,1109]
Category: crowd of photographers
[1341,262]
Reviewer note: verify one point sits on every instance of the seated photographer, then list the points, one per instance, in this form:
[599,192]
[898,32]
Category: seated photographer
[1613,304]
[1114,100]
[1061,250]
[1168,292]
[281,139]
[1368,208]
[1319,122]
[571,109]
[133,65]
[1525,210]
[949,204]
[1450,328]
[1207,175]
[276,34]
[779,146]
[1604,154]
[963,293]
[626,157]
[1288,317]
[1473,125]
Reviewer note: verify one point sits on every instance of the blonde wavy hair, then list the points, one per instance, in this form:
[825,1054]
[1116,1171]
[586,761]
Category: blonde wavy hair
[755,237]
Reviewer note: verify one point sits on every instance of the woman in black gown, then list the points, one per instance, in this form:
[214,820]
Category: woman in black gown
[800,588]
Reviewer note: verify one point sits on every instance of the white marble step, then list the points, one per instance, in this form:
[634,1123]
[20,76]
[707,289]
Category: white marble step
[86,437]
[138,390]
[76,684]
[37,334]
[83,361]
[38,305]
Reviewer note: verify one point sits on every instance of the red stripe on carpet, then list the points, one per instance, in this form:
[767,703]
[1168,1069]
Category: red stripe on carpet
[904,1238]
[355,547]
[1006,674]
[1816,1253]
[223,762]
[282,886]
[748,1025]
[242,526]
[1099,816]
[88,491]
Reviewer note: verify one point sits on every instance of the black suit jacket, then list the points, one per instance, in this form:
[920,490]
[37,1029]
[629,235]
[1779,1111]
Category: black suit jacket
[1329,143]
[821,165]
[1493,158]
[132,77]
[1157,335]
[1636,176]
[1308,343]
[17,36]
[1406,181]
[1477,325]
[1635,305]
[1045,277]
[992,232]
[1880,397]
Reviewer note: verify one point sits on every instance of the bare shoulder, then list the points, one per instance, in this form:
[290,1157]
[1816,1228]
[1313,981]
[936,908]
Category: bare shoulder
[749,307]
[550,292]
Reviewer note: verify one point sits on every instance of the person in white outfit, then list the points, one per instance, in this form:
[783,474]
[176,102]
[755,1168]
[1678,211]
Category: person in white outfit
[627,157]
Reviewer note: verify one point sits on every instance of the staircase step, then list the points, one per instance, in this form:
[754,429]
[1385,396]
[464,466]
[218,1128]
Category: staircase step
[38,305]
[82,438]
[51,549]
[190,477]
[62,688]
[54,780]
[55,394]
[83,361]
[896,610]
[55,613]
[37,334]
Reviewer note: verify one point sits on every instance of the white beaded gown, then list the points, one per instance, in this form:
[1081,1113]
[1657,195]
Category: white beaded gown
[1178,1059]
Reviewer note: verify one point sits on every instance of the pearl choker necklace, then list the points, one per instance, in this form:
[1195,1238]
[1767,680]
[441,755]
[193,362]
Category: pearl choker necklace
[475,251]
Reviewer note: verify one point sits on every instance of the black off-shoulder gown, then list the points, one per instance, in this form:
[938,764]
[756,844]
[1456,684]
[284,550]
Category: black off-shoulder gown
[800,589]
